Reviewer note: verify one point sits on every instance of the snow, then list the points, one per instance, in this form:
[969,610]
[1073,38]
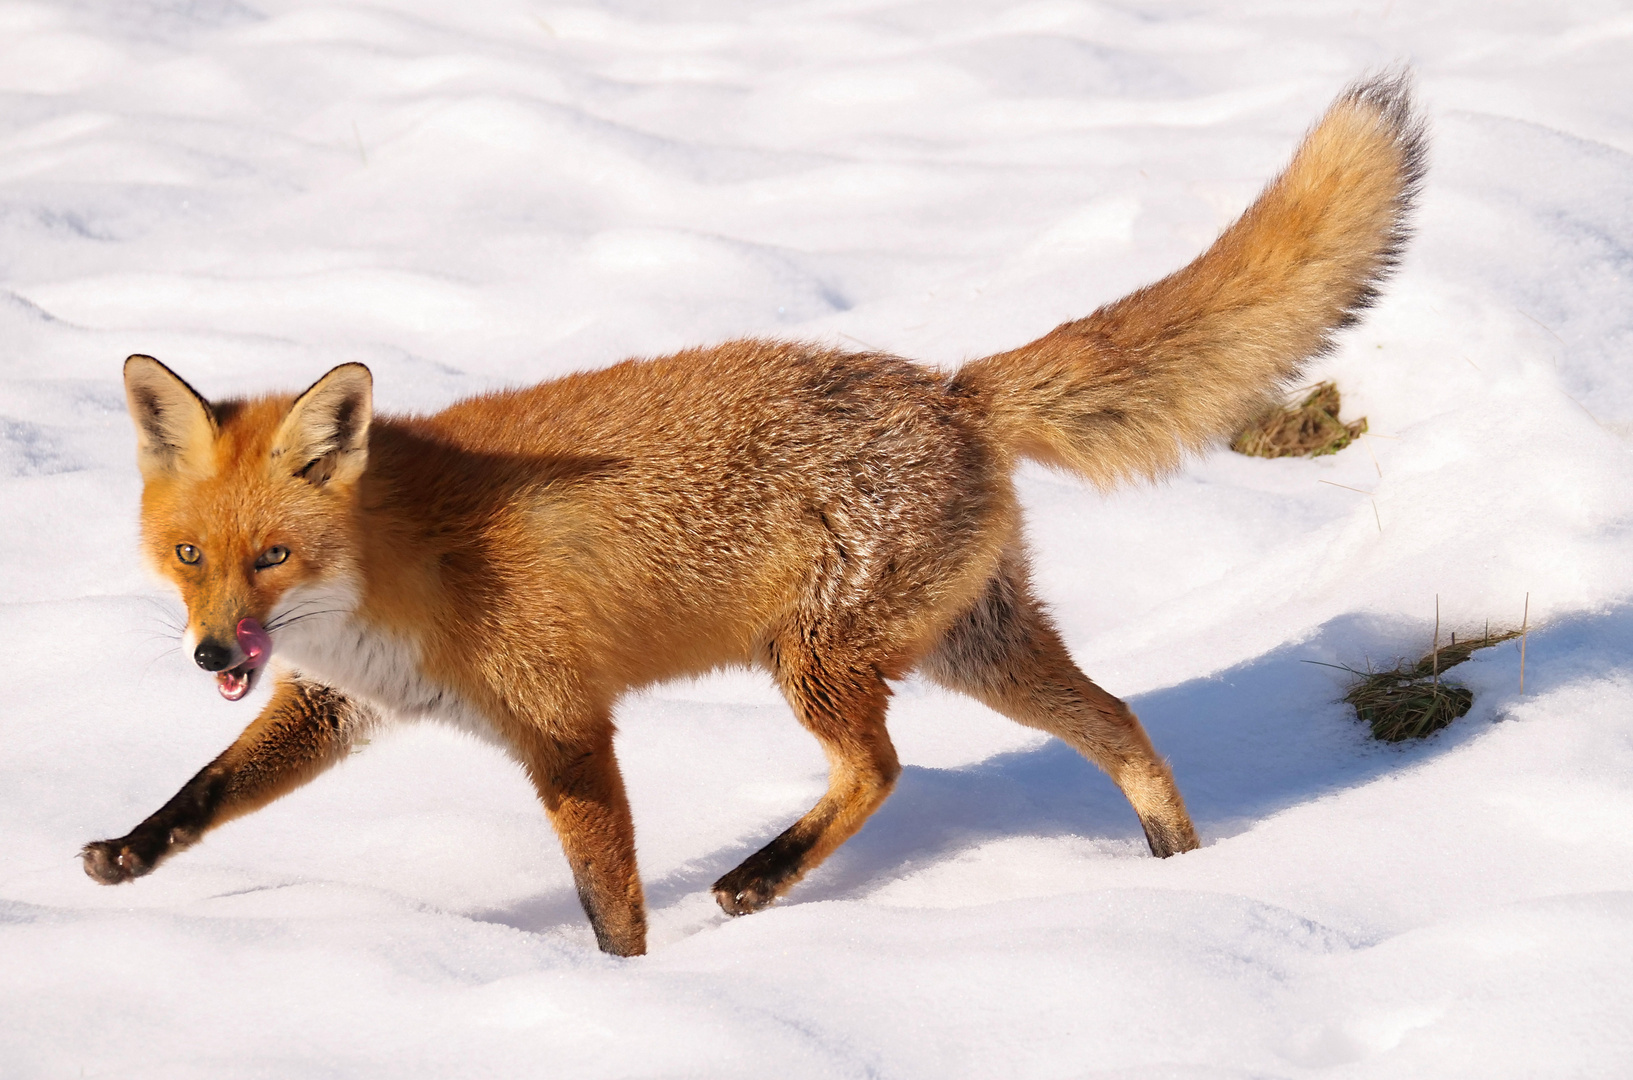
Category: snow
[487,193]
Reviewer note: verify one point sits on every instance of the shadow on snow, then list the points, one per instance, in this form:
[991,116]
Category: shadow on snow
[1265,735]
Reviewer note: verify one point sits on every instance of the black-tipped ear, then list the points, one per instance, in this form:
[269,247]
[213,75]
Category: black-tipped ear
[325,437]
[175,426]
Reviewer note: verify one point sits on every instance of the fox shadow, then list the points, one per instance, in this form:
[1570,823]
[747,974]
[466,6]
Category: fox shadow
[1244,743]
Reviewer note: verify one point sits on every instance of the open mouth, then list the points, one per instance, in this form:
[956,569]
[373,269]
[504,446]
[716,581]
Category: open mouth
[256,643]
[234,683]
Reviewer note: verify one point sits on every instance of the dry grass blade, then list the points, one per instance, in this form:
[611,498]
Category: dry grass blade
[1410,702]
[1459,651]
[1308,429]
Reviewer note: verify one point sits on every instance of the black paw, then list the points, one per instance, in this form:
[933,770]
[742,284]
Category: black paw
[742,899]
[752,887]
[112,862]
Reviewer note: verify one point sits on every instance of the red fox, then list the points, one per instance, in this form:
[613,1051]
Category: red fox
[519,561]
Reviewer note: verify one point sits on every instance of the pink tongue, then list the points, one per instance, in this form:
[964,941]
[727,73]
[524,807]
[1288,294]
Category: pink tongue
[256,643]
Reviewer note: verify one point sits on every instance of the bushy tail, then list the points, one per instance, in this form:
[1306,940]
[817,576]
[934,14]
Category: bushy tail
[1189,360]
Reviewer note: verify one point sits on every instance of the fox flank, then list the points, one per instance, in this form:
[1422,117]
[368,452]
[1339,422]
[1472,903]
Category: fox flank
[518,562]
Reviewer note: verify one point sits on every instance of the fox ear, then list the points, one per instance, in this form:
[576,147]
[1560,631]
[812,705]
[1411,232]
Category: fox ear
[325,437]
[175,426]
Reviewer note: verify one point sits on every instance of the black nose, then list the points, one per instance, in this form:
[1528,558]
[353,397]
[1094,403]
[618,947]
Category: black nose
[212,657]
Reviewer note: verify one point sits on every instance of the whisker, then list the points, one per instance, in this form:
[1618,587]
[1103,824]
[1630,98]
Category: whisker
[147,669]
[168,617]
[306,615]
[296,613]
[297,605]
[278,618]
[281,623]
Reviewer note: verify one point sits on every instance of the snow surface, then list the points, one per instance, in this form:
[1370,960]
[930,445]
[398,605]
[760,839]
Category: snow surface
[466,195]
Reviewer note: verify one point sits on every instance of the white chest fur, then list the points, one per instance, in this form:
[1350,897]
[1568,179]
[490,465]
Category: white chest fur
[317,631]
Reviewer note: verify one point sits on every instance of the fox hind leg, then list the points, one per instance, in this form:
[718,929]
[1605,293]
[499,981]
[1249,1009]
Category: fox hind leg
[1006,653]
[840,698]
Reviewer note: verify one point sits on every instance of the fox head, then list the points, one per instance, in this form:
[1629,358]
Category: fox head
[245,501]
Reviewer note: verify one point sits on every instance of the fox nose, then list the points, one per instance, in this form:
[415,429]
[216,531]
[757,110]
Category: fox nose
[211,656]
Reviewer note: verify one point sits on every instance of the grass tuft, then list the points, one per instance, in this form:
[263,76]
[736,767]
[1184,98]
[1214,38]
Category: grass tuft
[1411,702]
[1308,429]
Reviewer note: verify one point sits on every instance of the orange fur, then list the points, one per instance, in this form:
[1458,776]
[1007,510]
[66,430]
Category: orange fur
[519,561]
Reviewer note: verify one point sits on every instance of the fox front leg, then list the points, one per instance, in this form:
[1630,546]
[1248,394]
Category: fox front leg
[303,730]
[582,790]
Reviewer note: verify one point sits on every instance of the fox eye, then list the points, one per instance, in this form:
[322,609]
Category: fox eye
[188,554]
[272,556]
